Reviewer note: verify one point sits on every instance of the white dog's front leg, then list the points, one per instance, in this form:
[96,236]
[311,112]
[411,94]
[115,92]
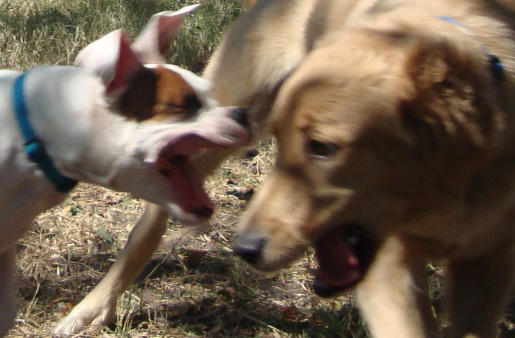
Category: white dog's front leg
[98,308]
[7,291]
[393,297]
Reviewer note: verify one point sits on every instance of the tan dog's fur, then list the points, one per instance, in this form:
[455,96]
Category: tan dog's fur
[423,184]
[394,123]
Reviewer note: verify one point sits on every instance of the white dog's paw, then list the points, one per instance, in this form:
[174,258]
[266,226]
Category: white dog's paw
[86,313]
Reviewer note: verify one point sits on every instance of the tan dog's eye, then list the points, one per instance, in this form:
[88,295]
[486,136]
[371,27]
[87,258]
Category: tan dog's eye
[320,150]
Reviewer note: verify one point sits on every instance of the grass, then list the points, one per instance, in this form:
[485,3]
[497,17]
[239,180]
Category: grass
[196,289]
[193,289]
[54,31]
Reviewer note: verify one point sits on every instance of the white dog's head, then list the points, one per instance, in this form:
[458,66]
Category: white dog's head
[172,111]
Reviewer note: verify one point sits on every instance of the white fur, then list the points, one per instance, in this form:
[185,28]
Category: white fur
[86,142]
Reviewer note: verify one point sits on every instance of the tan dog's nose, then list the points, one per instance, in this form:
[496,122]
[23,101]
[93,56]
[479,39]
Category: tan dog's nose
[249,247]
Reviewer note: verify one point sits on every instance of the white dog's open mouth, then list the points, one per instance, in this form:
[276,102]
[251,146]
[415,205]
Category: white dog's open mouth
[174,163]
[343,255]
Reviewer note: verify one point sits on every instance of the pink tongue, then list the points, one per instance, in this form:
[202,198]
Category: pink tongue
[338,265]
[182,176]
[173,162]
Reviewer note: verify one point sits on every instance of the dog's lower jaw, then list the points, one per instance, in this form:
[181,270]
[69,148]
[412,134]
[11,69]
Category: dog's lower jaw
[344,254]
[325,290]
[192,217]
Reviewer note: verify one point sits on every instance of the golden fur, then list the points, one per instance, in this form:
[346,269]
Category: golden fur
[396,146]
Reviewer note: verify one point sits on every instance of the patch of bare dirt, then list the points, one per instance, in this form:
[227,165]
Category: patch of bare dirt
[193,286]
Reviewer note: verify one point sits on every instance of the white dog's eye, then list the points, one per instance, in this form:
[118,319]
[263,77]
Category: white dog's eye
[320,150]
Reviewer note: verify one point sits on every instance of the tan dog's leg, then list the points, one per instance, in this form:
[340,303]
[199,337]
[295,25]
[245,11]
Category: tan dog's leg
[99,306]
[7,288]
[483,283]
[393,296]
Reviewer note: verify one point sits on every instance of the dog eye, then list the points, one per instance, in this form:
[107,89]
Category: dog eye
[320,150]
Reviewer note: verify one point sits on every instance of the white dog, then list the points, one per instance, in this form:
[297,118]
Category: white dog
[135,132]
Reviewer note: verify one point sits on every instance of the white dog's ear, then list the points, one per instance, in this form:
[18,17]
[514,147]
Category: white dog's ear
[153,41]
[129,86]
[111,58]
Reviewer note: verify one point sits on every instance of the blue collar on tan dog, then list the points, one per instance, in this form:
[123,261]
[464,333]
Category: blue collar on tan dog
[33,146]
[496,67]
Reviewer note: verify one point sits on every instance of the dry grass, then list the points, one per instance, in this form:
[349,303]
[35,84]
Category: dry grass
[194,288]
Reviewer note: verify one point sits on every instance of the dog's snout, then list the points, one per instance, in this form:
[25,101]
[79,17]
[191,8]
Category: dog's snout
[249,247]
[240,115]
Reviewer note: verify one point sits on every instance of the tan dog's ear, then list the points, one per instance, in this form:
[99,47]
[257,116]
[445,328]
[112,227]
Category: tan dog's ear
[427,68]
[450,107]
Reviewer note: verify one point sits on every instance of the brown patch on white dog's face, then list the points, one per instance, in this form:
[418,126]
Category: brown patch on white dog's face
[158,94]
[376,134]
[174,97]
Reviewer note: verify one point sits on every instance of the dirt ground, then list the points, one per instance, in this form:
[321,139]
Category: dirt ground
[193,287]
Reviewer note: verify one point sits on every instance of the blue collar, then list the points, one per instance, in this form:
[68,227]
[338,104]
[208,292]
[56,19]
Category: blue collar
[496,67]
[33,146]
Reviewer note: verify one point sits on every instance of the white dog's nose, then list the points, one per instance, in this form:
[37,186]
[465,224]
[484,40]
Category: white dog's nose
[240,115]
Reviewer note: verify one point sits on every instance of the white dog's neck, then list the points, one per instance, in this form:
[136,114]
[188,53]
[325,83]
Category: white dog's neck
[95,137]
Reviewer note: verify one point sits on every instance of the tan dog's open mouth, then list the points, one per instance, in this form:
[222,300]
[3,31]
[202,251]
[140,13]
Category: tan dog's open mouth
[343,255]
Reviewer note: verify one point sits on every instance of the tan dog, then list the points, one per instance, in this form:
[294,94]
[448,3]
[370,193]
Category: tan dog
[396,143]
[257,54]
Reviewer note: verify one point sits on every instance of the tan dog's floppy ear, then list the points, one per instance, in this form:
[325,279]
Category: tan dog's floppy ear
[450,107]
[153,41]
[427,67]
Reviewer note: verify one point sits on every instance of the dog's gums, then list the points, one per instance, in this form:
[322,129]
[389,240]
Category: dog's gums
[174,163]
[343,255]
[183,178]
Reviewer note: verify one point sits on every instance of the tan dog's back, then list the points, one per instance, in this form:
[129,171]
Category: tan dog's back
[258,51]
[389,139]
[266,44]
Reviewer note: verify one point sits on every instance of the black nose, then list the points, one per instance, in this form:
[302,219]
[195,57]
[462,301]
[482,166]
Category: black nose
[202,212]
[249,247]
[240,115]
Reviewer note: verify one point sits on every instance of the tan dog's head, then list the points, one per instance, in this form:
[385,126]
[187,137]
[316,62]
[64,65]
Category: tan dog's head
[378,132]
